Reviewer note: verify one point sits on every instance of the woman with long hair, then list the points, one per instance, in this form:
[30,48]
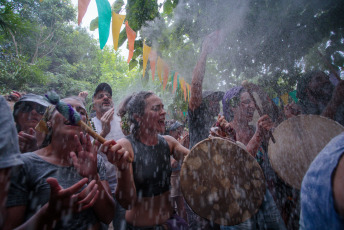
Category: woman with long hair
[144,185]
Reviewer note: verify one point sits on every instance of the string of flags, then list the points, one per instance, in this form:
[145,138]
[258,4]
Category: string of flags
[156,62]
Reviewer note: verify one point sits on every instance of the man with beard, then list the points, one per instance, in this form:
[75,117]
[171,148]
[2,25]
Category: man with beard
[317,95]
[107,124]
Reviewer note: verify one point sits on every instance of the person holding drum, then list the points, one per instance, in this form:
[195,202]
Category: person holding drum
[239,107]
[144,185]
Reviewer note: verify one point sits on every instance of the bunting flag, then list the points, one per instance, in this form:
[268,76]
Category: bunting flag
[131,35]
[104,20]
[188,89]
[117,21]
[276,100]
[146,52]
[152,61]
[166,71]
[82,8]
[174,82]
[292,94]
[284,98]
[160,66]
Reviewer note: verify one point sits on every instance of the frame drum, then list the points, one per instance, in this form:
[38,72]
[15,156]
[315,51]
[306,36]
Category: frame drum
[298,141]
[222,182]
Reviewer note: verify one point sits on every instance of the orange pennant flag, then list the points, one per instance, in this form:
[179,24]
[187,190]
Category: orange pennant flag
[146,52]
[166,71]
[152,61]
[182,85]
[117,21]
[160,66]
[131,35]
[82,8]
[175,82]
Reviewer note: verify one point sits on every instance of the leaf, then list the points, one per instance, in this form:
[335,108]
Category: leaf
[117,6]
[132,64]
[94,24]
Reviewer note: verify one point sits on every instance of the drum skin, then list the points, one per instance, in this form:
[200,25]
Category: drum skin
[298,141]
[222,182]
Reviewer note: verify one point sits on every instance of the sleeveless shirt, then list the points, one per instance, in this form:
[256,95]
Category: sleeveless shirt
[151,167]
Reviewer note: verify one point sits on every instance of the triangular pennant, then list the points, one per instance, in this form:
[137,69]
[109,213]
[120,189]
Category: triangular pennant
[175,77]
[292,94]
[166,71]
[276,100]
[146,52]
[160,66]
[188,90]
[152,61]
[82,8]
[131,35]
[104,20]
[284,98]
[117,21]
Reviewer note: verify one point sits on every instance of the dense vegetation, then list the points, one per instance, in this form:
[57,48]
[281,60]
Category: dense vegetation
[271,42]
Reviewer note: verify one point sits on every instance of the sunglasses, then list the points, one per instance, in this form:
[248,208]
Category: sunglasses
[29,106]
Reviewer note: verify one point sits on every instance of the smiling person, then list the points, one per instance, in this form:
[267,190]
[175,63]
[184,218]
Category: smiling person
[107,124]
[27,112]
[63,184]
[144,185]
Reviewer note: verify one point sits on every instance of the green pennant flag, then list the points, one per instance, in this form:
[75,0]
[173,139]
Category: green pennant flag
[292,94]
[104,15]
[178,83]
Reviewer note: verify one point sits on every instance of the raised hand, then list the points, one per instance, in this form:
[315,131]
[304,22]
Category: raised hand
[85,157]
[27,141]
[64,201]
[106,122]
[264,124]
[212,41]
[116,154]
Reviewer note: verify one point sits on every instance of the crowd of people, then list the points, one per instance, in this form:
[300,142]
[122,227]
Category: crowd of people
[54,175]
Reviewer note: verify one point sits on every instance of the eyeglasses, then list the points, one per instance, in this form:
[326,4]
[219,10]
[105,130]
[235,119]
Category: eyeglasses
[27,107]
[101,95]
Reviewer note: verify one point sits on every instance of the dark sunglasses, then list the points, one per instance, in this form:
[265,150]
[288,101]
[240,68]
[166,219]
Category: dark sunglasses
[28,107]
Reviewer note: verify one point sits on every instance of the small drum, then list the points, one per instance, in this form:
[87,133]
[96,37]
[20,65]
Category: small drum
[222,182]
[298,141]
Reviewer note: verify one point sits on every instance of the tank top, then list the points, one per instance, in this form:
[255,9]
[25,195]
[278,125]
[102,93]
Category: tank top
[151,167]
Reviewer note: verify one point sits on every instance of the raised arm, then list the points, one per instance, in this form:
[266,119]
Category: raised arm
[178,151]
[85,162]
[336,100]
[209,44]
[119,155]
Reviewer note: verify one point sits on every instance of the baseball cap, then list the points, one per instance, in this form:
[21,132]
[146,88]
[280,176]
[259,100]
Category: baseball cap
[103,87]
[30,97]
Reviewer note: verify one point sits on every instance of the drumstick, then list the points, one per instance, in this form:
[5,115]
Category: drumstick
[246,85]
[74,117]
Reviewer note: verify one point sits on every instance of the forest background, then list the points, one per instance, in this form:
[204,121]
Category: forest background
[270,43]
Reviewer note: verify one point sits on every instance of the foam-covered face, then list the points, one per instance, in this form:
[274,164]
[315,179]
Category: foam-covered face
[245,109]
[102,101]
[61,126]
[153,119]
[29,114]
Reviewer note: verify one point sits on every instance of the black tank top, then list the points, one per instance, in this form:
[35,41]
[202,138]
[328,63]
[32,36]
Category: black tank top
[151,167]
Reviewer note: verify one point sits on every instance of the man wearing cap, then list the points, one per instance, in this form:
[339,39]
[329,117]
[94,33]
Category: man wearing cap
[27,112]
[9,153]
[107,124]
[203,108]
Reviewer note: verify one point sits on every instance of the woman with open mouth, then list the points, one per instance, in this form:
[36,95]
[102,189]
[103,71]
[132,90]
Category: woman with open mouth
[144,185]
[61,186]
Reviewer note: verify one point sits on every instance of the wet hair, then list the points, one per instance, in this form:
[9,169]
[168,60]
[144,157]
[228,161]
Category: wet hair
[230,100]
[122,113]
[136,106]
